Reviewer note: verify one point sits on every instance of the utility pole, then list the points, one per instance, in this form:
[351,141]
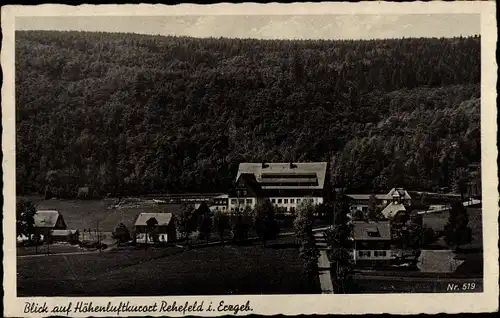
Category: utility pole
[98,237]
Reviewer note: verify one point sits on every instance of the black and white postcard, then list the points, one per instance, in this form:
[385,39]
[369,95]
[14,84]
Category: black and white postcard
[236,159]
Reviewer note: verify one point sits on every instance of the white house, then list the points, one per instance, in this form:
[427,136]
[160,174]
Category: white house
[286,185]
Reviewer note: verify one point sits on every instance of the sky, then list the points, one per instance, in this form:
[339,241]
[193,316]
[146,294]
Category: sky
[347,26]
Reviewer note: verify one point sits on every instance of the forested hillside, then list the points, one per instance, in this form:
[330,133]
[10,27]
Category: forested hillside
[135,114]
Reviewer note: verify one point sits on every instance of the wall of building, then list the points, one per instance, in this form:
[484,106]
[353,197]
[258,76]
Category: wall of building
[287,203]
[236,204]
[362,255]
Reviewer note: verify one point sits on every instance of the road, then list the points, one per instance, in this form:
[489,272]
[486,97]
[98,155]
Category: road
[325,278]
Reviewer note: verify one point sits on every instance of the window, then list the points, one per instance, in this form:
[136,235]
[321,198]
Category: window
[285,201]
[364,253]
[234,201]
[279,201]
[245,192]
[273,200]
[249,201]
[380,253]
[223,208]
[298,200]
[292,209]
[292,201]
[241,201]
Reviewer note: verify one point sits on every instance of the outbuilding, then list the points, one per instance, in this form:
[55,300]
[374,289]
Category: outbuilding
[153,228]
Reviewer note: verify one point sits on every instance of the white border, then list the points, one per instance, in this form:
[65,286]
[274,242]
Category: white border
[279,304]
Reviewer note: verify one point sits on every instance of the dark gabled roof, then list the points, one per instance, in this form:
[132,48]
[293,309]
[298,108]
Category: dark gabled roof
[250,182]
[367,231]
[161,218]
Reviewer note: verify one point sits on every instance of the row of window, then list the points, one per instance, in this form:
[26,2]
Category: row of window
[241,201]
[283,209]
[274,201]
[292,201]
[369,253]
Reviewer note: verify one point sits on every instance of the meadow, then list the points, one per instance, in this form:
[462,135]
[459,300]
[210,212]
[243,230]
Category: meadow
[214,270]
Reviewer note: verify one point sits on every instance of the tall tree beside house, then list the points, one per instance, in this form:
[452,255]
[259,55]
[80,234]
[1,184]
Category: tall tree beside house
[460,181]
[325,211]
[222,224]
[265,222]
[25,222]
[304,221]
[187,222]
[407,231]
[339,239]
[151,230]
[206,222]
[457,231]
[372,213]
[240,229]
[121,234]
[303,226]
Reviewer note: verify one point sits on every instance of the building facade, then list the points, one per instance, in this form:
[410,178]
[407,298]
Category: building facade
[372,243]
[285,185]
[153,228]
[390,203]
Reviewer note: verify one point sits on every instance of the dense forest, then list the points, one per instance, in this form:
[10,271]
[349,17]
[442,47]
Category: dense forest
[130,114]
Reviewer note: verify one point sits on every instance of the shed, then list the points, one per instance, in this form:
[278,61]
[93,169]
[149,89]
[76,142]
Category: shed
[155,228]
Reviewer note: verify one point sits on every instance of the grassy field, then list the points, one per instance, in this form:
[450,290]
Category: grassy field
[223,270]
[86,214]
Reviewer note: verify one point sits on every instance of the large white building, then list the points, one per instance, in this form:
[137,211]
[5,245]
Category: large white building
[285,185]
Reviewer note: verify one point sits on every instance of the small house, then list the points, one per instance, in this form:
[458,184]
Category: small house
[153,228]
[46,221]
[372,242]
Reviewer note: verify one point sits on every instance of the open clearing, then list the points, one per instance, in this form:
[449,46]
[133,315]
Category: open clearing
[222,270]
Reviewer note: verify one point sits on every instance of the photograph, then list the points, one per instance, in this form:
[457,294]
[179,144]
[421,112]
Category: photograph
[248,154]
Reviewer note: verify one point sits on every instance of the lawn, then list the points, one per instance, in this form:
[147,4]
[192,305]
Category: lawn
[52,249]
[222,270]
[88,214]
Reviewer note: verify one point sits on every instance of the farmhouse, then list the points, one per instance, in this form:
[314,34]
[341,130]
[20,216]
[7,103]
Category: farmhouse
[390,204]
[286,185]
[155,228]
[372,242]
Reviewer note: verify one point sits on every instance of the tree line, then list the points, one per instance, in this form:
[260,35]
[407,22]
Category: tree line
[132,114]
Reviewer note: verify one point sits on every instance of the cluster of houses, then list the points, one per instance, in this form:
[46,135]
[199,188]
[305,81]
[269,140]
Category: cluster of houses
[286,186]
